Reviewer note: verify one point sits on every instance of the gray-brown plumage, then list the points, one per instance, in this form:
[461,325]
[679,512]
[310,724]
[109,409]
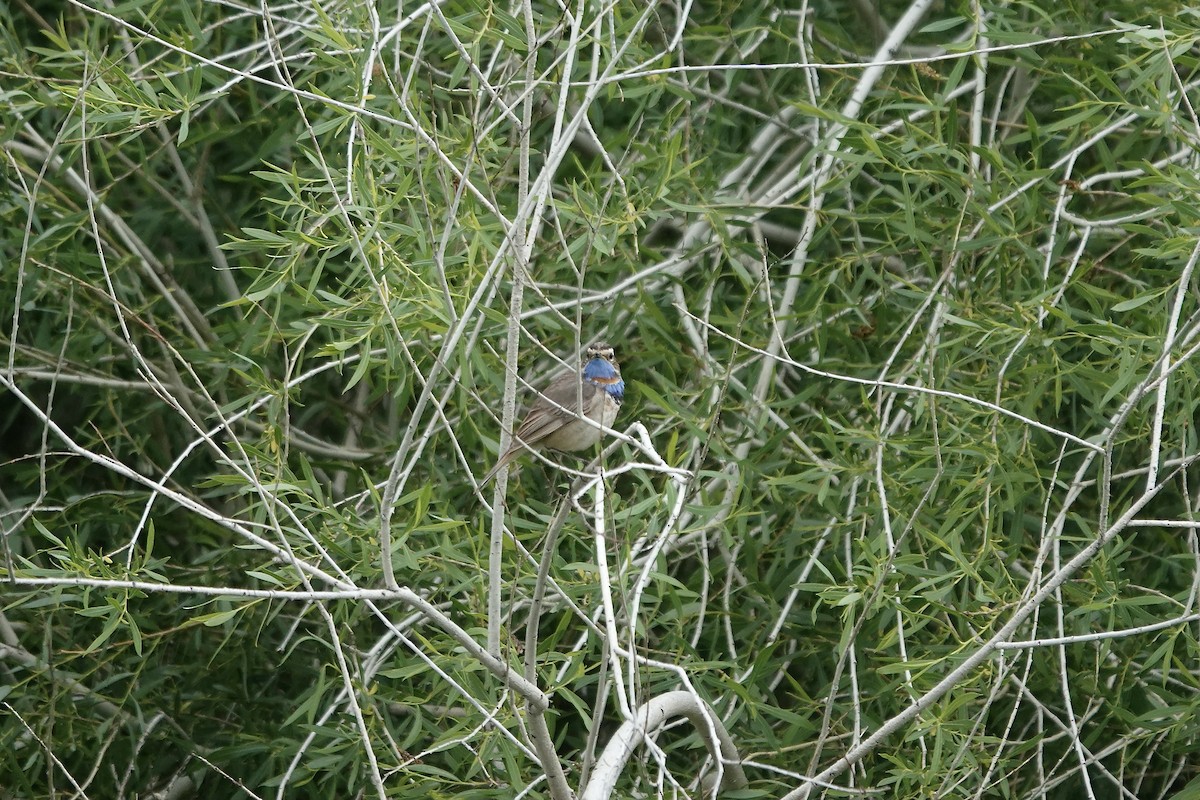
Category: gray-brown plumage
[554,419]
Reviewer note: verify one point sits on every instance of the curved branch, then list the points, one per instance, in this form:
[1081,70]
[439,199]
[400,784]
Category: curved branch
[649,718]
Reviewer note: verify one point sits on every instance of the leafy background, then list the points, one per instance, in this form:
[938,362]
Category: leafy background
[905,297]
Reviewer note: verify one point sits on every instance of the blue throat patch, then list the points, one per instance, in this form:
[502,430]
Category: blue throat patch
[603,374]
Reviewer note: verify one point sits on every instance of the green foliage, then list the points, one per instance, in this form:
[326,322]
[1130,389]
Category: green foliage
[918,347]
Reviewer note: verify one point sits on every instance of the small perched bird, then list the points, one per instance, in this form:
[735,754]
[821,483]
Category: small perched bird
[556,420]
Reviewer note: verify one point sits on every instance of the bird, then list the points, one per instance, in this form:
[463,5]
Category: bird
[554,420]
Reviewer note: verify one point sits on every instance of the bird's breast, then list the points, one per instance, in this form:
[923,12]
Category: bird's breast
[606,413]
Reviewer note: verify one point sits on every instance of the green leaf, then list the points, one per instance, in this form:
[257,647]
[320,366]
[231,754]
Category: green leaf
[217,618]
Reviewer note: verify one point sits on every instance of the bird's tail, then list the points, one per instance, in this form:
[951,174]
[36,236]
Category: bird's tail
[507,458]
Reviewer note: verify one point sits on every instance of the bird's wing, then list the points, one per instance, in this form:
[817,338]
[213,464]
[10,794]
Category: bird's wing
[553,408]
